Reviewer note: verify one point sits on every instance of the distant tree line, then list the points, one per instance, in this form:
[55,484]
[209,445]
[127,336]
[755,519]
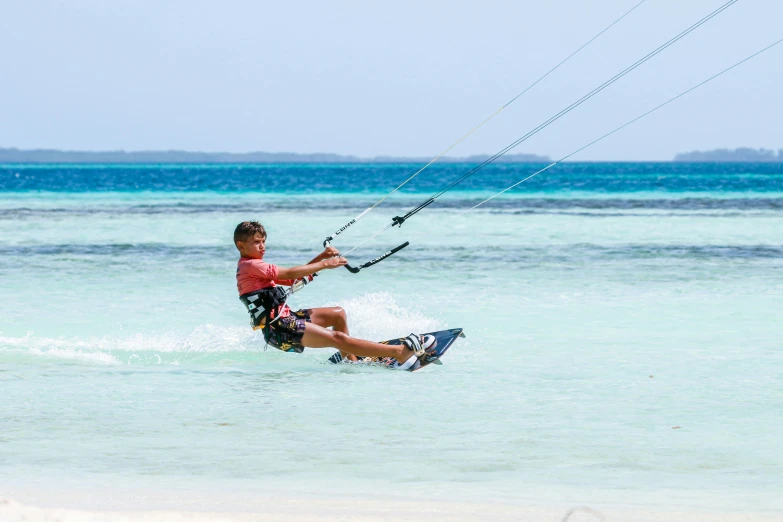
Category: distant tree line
[12,155]
[741,155]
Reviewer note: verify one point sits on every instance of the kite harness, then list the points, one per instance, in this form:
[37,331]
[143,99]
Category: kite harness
[264,303]
[261,304]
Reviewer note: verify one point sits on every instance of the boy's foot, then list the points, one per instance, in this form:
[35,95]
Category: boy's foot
[423,348]
[421,345]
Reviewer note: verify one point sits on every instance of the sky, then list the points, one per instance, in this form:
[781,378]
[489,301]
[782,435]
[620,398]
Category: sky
[402,78]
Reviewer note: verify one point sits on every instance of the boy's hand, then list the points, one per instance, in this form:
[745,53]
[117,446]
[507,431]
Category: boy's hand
[328,252]
[334,262]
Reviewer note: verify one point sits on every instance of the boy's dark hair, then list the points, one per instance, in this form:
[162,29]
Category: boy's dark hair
[248,229]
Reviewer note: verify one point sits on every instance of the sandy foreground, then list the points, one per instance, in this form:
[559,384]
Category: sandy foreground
[363,510]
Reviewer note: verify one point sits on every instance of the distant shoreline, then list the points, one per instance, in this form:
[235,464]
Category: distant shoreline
[741,155]
[172,157]
[13,155]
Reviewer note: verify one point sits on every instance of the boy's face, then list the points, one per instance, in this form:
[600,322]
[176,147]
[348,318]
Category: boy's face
[254,247]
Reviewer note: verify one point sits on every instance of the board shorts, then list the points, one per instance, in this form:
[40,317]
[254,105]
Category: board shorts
[286,333]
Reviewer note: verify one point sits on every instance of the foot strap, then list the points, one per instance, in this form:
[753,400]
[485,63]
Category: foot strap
[414,343]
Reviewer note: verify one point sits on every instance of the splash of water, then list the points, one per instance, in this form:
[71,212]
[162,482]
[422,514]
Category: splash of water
[372,316]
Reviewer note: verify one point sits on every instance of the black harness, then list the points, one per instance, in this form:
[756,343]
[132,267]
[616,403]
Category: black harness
[261,304]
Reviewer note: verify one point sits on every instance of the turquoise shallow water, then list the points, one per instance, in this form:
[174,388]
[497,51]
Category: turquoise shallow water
[622,345]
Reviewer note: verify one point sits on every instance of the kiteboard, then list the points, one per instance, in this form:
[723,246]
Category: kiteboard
[443,341]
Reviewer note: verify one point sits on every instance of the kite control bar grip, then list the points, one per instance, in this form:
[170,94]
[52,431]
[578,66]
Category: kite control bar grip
[357,269]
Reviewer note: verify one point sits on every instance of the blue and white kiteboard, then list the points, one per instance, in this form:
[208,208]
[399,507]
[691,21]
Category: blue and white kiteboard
[443,341]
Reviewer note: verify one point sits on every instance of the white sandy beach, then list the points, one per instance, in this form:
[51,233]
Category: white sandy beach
[347,509]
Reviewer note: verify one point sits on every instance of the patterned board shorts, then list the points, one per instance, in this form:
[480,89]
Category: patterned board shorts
[286,333]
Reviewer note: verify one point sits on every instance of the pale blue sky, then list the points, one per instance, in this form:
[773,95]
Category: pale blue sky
[372,78]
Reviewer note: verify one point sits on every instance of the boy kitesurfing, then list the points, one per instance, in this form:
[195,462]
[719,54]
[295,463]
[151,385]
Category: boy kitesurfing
[291,331]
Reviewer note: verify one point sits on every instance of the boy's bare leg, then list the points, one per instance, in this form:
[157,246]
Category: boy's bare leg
[319,337]
[335,318]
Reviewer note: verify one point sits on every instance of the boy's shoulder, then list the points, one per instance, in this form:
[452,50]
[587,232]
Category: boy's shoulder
[246,264]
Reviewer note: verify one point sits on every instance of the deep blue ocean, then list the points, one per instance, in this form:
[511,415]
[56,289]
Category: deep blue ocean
[600,178]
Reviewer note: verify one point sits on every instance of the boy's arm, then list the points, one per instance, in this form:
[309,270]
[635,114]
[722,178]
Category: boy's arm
[299,272]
